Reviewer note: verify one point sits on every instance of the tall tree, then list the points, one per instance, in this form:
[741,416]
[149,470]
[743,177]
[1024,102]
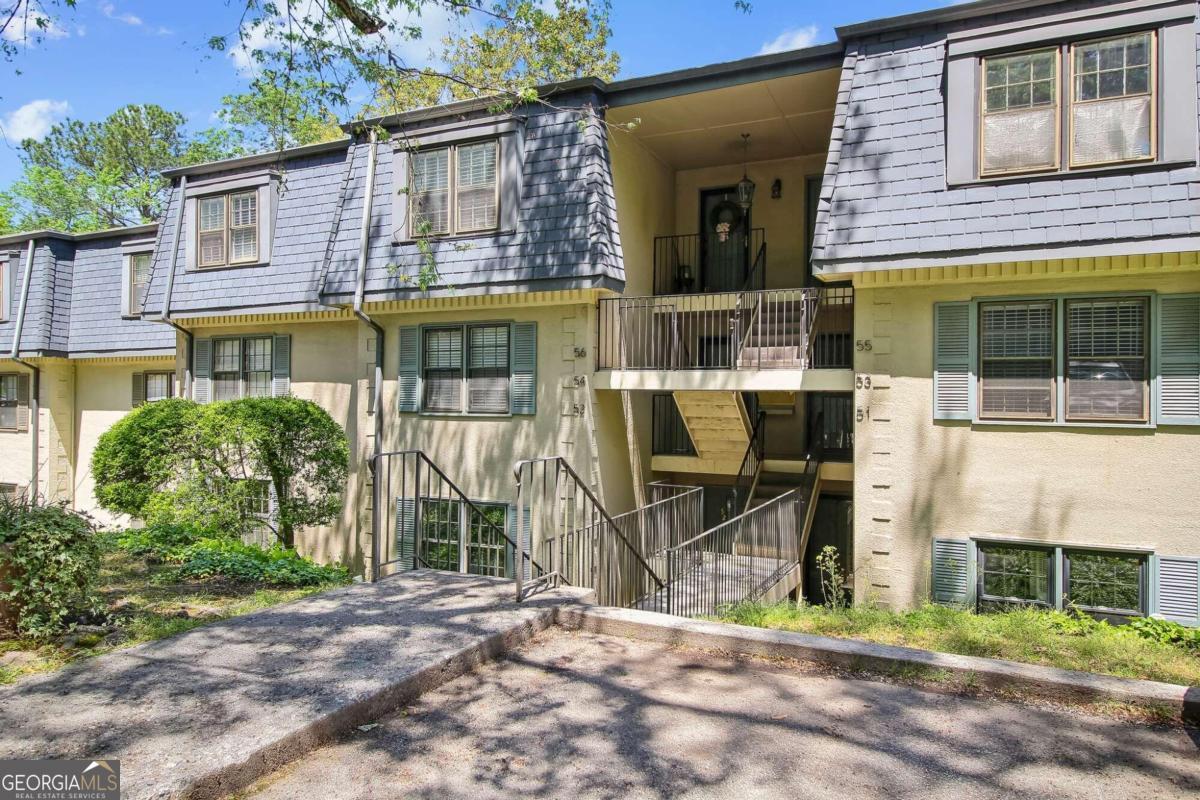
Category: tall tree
[276,112]
[90,175]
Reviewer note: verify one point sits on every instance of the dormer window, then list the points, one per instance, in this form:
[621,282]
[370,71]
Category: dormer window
[1112,104]
[140,265]
[454,189]
[1020,112]
[227,227]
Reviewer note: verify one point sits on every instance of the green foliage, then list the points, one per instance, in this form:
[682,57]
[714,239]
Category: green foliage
[158,542]
[53,558]
[209,466]
[93,175]
[1164,631]
[143,454]
[277,112]
[227,558]
[1060,639]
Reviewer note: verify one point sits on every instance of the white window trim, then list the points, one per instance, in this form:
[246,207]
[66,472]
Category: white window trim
[1060,411]
[465,399]
[170,376]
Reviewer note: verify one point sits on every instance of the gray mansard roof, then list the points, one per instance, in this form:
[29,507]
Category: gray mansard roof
[74,303]
[889,199]
[564,236]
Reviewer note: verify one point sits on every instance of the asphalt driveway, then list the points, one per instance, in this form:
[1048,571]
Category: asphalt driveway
[576,715]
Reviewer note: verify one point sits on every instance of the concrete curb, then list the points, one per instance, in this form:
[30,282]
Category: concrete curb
[231,778]
[1181,702]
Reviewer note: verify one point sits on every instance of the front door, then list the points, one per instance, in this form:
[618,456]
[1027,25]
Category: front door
[724,241]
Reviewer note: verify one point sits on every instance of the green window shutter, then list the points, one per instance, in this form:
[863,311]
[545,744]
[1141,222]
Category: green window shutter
[281,366]
[523,395]
[1178,583]
[408,388]
[1179,359]
[953,579]
[22,402]
[139,389]
[202,371]
[952,389]
[406,532]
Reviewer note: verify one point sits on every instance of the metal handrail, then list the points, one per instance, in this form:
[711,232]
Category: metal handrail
[759,258]
[680,498]
[731,521]
[755,449]
[562,464]
[462,497]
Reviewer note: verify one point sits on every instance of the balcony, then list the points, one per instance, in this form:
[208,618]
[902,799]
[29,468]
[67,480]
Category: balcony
[764,340]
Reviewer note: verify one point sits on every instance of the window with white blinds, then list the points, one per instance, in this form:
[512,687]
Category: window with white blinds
[443,367]
[1020,112]
[454,189]
[1107,370]
[1112,103]
[1017,373]
[9,399]
[466,369]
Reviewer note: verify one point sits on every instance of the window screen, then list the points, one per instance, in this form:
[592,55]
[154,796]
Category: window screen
[443,368]
[488,373]
[8,401]
[1017,360]
[1113,100]
[1105,581]
[1020,112]
[476,186]
[429,191]
[1107,376]
[1010,574]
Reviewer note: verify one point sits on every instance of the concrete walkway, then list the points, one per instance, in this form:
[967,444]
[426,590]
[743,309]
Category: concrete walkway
[581,715]
[206,712]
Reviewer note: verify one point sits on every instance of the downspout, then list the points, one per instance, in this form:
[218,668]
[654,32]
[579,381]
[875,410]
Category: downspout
[36,387]
[188,336]
[364,236]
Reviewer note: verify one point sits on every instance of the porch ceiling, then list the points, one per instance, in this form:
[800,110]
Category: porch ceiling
[785,117]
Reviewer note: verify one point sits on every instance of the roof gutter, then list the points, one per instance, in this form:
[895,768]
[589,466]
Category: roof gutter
[360,287]
[35,390]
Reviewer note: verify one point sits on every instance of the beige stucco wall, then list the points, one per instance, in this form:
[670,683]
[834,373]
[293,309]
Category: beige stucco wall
[916,479]
[781,219]
[645,195]
[103,394]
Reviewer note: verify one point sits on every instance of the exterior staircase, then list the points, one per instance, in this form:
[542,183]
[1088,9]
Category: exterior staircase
[720,428]
[777,337]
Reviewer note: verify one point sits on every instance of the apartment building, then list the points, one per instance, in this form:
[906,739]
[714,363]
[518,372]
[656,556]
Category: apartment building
[928,294]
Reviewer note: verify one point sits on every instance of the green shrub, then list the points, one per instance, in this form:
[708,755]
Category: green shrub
[54,558]
[226,558]
[1166,632]
[142,454]
[160,540]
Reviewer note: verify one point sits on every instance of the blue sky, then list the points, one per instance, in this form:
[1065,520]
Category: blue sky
[107,53]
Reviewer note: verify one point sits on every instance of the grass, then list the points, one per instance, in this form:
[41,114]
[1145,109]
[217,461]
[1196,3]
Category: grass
[145,602]
[1032,636]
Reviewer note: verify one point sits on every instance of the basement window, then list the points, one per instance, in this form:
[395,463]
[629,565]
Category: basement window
[1012,575]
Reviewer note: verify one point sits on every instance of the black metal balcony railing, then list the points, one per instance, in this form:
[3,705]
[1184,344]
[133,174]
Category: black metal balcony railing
[699,263]
[767,329]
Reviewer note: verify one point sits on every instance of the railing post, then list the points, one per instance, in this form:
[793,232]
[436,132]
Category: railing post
[418,508]
[376,544]
[518,549]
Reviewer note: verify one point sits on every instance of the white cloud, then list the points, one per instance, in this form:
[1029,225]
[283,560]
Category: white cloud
[30,24]
[34,119]
[110,11]
[793,39]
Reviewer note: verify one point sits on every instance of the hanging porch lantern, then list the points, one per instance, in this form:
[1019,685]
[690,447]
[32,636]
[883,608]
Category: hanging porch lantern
[745,187]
